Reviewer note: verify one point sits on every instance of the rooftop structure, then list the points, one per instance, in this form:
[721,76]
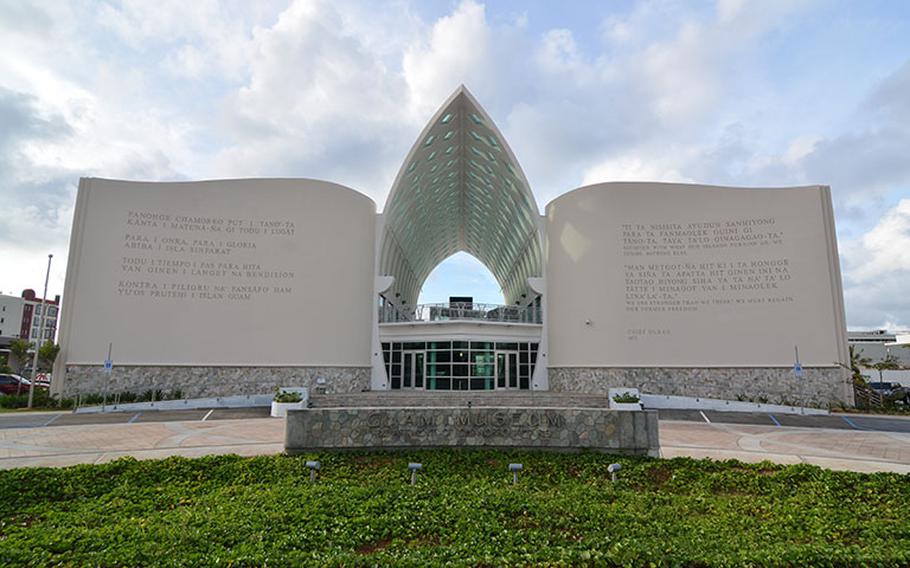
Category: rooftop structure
[461,188]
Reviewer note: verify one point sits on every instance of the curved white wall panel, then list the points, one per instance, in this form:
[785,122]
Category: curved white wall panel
[220,273]
[653,274]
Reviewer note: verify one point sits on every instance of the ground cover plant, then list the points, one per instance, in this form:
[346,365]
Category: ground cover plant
[464,510]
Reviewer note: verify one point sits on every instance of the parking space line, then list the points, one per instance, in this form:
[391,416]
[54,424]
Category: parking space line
[774,419]
[207,414]
[703,416]
[134,418]
[854,425]
[54,417]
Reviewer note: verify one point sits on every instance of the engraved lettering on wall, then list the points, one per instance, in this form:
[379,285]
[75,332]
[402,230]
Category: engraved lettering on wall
[172,256]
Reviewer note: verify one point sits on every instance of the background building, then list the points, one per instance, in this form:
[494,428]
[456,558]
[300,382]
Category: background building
[31,318]
[11,308]
[874,344]
[671,288]
[20,318]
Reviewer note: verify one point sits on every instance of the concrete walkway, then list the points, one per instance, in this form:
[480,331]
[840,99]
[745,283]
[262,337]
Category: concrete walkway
[857,450]
[852,450]
[99,443]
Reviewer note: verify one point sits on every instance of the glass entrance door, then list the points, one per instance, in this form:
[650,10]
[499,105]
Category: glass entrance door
[506,370]
[412,369]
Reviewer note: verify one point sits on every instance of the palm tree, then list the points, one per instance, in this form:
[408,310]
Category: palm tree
[857,360]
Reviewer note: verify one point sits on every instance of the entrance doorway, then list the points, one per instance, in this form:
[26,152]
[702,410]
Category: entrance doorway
[506,370]
[412,369]
[459,364]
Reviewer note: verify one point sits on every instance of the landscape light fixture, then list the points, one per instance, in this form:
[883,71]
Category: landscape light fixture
[414,467]
[314,466]
[515,468]
[613,468]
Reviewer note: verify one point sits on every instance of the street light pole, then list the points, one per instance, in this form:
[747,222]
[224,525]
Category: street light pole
[31,387]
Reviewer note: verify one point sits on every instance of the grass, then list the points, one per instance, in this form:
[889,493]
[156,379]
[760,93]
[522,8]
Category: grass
[232,511]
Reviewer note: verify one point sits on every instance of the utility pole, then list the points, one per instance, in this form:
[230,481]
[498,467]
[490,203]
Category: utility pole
[31,387]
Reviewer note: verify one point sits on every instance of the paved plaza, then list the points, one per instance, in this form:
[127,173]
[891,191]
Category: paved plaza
[858,443]
[853,450]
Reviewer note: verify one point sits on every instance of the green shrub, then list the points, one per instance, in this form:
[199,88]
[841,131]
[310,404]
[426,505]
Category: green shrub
[463,511]
[287,396]
[626,397]
[40,399]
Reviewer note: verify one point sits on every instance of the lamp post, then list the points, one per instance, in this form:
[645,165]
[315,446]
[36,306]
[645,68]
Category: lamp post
[31,387]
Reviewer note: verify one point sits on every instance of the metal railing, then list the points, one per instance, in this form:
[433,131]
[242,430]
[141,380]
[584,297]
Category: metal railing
[459,311]
[865,397]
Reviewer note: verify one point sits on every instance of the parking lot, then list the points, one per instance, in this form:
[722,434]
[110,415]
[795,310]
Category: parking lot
[57,419]
[861,422]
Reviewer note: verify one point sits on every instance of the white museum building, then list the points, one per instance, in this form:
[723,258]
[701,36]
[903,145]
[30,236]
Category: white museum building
[670,288]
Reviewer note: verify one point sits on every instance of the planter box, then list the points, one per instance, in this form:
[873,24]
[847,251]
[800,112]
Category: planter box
[624,405]
[280,409]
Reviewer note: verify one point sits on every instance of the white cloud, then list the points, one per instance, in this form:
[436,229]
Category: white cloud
[884,249]
[633,168]
[318,103]
[339,90]
[456,52]
[877,272]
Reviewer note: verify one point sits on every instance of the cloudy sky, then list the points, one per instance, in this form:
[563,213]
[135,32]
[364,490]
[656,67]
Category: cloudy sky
[738,92]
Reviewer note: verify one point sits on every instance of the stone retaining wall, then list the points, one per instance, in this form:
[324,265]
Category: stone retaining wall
[539,428]
[200,382]
[817,387]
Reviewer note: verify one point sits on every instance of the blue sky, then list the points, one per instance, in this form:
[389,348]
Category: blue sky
[734,92]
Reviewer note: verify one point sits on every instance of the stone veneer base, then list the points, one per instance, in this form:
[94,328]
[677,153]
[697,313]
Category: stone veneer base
[200,382]
[821,387]
[543,428]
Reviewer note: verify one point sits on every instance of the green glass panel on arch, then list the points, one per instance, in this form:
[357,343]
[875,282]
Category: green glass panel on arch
[459,365]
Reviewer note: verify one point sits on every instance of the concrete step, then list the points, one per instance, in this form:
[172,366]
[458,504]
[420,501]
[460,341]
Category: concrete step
[461,398]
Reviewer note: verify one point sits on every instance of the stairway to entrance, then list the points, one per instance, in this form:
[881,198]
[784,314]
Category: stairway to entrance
[457,398]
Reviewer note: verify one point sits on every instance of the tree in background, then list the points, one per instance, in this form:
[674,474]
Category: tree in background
[19,350]
[47,354]
[889,363]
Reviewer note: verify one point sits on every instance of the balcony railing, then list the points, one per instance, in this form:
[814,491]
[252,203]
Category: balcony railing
[457,312]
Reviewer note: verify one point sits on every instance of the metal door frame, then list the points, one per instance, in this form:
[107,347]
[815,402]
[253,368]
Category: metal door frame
[508,373]
[412,368]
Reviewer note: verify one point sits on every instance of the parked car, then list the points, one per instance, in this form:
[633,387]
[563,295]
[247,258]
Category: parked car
[884,388]
[10,384]
[43,380]
[894,392]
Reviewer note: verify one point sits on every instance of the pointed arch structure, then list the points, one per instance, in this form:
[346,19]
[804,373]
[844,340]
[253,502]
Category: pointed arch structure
[461,189]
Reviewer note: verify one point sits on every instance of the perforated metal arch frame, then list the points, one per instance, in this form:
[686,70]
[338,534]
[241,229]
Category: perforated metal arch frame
[460,189]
